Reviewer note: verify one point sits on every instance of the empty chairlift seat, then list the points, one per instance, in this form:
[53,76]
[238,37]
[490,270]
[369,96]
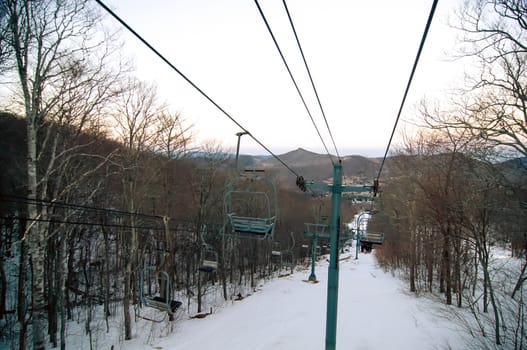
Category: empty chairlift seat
[250,205]
[161,296]
[209,260]
[243,225]
[162,304]
[372,237]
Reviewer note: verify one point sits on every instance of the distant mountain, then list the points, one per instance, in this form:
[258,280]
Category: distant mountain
[313,167]
[302,157]
[515,170]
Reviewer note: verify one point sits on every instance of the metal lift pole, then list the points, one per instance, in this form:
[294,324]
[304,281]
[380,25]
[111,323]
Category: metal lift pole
[239,134]
[314,244]
[358,233]
[333,272]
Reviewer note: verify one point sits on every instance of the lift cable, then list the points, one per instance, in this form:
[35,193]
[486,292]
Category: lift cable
[81,208]
[146,43]
[63,205]
[292,78]
[419,51]
[310,77]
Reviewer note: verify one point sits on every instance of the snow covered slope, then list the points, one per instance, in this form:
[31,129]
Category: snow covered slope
[375,312]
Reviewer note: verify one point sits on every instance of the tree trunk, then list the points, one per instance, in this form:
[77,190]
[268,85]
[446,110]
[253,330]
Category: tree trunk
[126,301]
[520,281]
[475,272]
[36,236]
[106,277]
[70,279]
[484,261]
[457,271]
[223,272]
[3,288]
[63,265]
[53,277]
[130,250]
[200,295]
[23,265]
[448,272]
[430,264]
[412,262]
[497,322]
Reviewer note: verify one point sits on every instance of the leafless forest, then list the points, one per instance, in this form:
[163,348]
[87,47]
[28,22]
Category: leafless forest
[103,200]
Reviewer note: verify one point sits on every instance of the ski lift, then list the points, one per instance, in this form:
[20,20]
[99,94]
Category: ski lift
[276,249]
[288,259]
[161,297]
[318,230]
[276,255]
[250,204]
[372,237]
[287,256]
[209,259]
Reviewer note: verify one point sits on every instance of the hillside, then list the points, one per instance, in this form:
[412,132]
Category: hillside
[313,166]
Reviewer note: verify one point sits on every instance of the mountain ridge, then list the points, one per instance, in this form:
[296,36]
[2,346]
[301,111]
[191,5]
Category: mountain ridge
[313,166]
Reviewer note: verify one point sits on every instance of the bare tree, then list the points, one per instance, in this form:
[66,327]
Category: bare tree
[207,186]
[494,35]
[52,53]
[6,50]
[147,130]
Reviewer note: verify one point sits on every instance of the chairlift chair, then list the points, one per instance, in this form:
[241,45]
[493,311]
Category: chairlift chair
[276,255]
[288,259]
[162,299]
[250,205]
[287,256]
[319,230]
[372,237]
[209,259]
[276,249]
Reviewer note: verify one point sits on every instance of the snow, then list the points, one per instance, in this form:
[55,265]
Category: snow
[374,312]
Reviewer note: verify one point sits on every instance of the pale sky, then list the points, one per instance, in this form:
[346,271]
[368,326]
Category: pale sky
[360,54]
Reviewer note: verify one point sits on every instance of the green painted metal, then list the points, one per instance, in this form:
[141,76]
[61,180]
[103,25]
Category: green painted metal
[320,230]
[163,300]
[315,231]
[358,234]
[333,272]
[314,243]
[209,259]
[241,222]
[243,189]
[373,237]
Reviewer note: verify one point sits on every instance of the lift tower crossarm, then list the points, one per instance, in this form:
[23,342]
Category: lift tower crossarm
[341,189]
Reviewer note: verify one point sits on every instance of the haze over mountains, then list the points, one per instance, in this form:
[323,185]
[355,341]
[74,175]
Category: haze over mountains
[313,167]
[357,169]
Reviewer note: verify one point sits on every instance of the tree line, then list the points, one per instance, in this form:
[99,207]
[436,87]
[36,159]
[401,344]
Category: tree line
[466,192]
[101,179]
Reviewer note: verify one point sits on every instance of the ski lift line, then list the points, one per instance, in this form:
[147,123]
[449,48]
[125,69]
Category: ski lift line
[209,257]
[419,51]
[158,54]
[57,204]
[70,222]
[48,203]
[310,77]
[293,79]
[372,237]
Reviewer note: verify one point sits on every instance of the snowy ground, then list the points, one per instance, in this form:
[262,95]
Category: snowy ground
[375,312]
